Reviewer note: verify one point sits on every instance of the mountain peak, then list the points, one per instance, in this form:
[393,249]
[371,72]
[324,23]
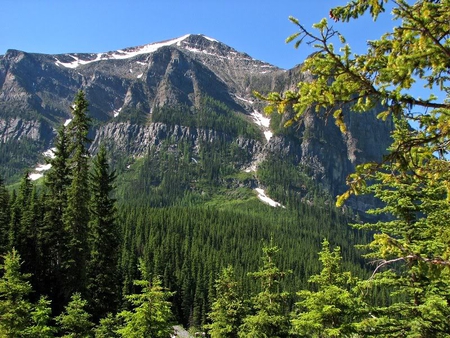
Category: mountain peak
[198,44]
[74,60]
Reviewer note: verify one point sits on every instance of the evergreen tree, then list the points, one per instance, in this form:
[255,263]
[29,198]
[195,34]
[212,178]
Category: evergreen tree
[40,321]
[14,291]
[52,237]
[4,217]
[335,308]
[21,203]
[107,327]
[104,240]
[410,250]
[270,319]
[27,244]
[228,308]
[151,315]
[76,214]
[75,322]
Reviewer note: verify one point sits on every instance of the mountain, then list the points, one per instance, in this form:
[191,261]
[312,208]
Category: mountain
[204,178]
[189,90]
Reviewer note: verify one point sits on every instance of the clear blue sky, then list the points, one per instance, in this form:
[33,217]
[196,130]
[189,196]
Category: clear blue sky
[258,28]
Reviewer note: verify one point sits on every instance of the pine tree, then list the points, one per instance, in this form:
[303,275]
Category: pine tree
[335,308]
[151,315]
[76,214]
[104,240]
[228,308]
[270,319]
[14,291]
[75,322]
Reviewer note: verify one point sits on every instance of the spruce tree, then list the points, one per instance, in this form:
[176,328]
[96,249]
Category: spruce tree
[107,327]
[27,243]
[410,250]
[40,326]
[14,292]
[76,214]
[269,319]
[75,321]
[335,307]
[52,237]
[151,315]
[228,308]
[104,240]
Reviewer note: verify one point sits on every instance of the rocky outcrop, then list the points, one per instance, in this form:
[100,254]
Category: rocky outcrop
[136,140]
[16,129]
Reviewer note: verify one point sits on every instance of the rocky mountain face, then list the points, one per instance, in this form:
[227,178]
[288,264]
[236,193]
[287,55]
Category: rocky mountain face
[125,87]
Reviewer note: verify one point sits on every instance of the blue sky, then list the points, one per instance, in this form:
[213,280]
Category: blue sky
[258,28]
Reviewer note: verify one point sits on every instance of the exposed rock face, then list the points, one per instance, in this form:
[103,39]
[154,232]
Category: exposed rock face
[137,139]
[124,87]
[18,129]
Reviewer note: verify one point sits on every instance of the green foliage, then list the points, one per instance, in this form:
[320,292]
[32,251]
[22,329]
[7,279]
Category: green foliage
[18,155]
[335,307]
[290,184]
[269,305]
[132,115]
[76,214]
[40,321]
[4,216]
[393,65]
[410,245]
[52,237]
[14,305]
[151,315]
[18,219]
[104,240]
[107,327]
[410,249]
[228,307]
[75,322]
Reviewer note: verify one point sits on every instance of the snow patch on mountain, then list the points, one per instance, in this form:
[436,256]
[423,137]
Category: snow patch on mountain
[242,99]
[49,153]
[210,39]
[117,112]
[121,53]
[264,122]
[260,119]
[265,199]
[38,172]
[206,52]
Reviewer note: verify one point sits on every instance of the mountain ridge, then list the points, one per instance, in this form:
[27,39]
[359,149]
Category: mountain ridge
[127,86]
